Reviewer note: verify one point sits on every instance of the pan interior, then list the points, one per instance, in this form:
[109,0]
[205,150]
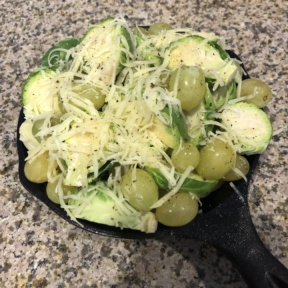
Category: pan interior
[208,204]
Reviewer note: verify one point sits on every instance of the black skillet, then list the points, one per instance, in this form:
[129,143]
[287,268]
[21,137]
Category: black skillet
[225,224]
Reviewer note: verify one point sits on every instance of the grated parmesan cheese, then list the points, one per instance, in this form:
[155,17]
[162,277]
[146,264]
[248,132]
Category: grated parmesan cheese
[175,189]
[132,77]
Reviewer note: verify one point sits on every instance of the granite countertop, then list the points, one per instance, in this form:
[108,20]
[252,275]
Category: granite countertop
[38,248]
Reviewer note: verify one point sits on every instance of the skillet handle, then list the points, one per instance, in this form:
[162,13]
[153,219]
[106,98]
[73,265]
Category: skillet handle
[258,267]
[229,228]
[232,232]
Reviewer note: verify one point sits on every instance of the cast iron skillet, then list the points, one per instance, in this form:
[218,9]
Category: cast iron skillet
[225,224]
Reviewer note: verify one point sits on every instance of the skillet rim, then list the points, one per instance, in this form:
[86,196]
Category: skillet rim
[210,203]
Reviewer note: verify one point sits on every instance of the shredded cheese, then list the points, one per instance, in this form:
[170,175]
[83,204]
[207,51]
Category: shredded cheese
[237,191]
[133,77]
[175,189]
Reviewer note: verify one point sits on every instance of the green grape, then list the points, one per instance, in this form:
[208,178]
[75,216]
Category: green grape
[158,27]
[139,31]
[92,93]
[37,126]
[36,171]
[179,210]
[187,155]
[242,164]
[191,86]
[217,158]
[52,194]
[141,192]
[261,91]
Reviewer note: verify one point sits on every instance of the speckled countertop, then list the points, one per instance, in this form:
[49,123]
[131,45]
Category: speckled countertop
[38,248]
